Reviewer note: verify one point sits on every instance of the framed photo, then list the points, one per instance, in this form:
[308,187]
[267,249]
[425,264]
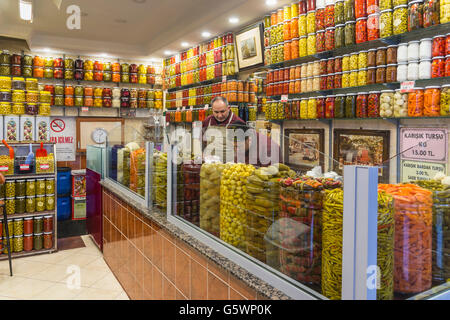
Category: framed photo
[362,147]
[249,47]
[304,148]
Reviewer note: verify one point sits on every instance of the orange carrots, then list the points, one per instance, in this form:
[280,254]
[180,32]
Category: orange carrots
[413,227]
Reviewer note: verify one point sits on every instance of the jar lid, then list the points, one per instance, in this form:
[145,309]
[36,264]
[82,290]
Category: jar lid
[15,78]
[30,218]
[373,14]
[425,39]
[21,236]
[439,36]
[382,66]
[350,22]
[28,235]
[38,234]
[446,85]
[339,95]
[321,7]
[331,96]
[374,92]
[344,72]
[38,218]
[401,6]
[371,67]
[340,25]
[363,51]
[387,91]
[18,219]
[447,56]
[311,34]
[361,18]
[440,57]
[320,31]
[48,232]
[311,11]
[393,46]
[381,48]
[392,65]
[403,62]
[424,60]
[320,97]
[40,196]
[50,195]
[351,94]
[362,69]
[329,28]
[418,88]
[413,41]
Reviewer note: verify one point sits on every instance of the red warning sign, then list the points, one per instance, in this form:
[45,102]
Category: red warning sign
[58,125]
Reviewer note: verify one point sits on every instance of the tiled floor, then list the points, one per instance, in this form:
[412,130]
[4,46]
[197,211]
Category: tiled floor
[75,274]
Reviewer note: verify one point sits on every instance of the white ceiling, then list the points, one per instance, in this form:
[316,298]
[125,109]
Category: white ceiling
[127,28]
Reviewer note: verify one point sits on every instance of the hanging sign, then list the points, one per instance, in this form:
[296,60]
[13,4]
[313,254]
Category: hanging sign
[63,133]
[424,144]
[418,170]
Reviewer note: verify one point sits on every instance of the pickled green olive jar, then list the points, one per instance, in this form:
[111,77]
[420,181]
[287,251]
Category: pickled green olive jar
[20,188]
[38,224]
[31,187]
[50,202]
[40,187]
[20,205]
[10,206]
[18,227]
[40,203]
[10,189]
[18,243]
[30,204]
[50,186]
[38,241]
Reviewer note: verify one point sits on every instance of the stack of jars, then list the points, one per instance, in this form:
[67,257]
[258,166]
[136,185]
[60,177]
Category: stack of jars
[88,96]
[116,97]
[201,63]
[309,27]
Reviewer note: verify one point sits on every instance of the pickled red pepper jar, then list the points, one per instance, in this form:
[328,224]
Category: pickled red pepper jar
[329,39]
[321,107]
[320,41]
[361,30]
[373,104]
[361,105]
[415,15]
[437,67]
[360,9]
[329,16]
[373,27]
[438,47]
[329,107]
[320,19]
[431,12]
[416,103]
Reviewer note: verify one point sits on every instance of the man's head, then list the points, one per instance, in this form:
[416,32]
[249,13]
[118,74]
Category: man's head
[220,108]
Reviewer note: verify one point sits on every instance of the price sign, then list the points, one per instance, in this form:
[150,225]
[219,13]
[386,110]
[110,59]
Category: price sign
[44,166]
[284,98]
[4,168]
[84,109]
[24,167]
[424,144]
[407,86]
[417,170]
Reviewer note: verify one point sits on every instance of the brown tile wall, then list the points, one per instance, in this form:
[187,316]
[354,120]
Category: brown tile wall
[152,264]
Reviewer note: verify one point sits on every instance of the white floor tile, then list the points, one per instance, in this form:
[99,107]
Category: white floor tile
[96,294]
[58,291]
[89,276]
[98,264]
[77,259]
[109,282]
[91,251]
[25,268]
[122,296]
[56,273]
[28,288]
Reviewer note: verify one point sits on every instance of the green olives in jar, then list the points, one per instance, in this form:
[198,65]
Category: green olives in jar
[20,188]
[30,206]
[18,243]
[40,187]
[31,187]
[20,205]
[50,186]
[386,23]
[18,227]
[10,205]
[385,4]
[50,202]
[400,19]
[10,189]
[40,203]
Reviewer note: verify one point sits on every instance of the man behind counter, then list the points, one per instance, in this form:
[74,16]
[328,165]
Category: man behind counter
[222,115]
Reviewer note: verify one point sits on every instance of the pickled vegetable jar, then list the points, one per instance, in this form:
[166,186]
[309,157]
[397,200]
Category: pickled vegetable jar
[431,104]
[361,105]
[10,206]
[391,54]
[329,16]
[311,44]
[329,39]
[387,103]
[415,15]
[431,13]
[362,59]
[40,203]
[445,100]
[360,9]
[349,10]
[311,22]
[339,106]
[373,104]
[361,30]
[438,48]
[20,205]
[320,41]
[362,77]
[373,27]
[30,206]
[349,33]
[320,19]
[50,202]
[329,107]
[339,36]
[400,19]
[40,187]
[416,103]
[391,73]
[350,105]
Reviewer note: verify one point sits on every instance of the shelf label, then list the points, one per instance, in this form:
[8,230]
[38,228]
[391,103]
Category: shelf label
[44,166]
[24,167]
[418,170]
[224,78]
[84,109]
[4,168]
[424,144]
[407,86]
[284,98]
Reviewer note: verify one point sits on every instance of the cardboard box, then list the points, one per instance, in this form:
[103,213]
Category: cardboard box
[27,128]
[11,128]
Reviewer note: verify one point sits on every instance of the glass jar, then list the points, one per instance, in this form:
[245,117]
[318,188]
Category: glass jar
[425,69]
[349,10]
[381,74]
[311,22]
[361,30]
[329,107]
[48,240]
[20,186]
[311,44]
[329,39]
[362,59]
[329,16]
[350,105]
[339,15]
[345,81]
[302,25]
[330,81]
[413,70]
[27,242]
[437,67]
[373,104]
[312,108]
[18,243]
[381,56]
[402,71]
[40,187]
[320,19]
[337,80]
[321,107]
[400,19]
[339,106]
[28,225]
[425,48]
[18,109]
[10,206]
[320,41]
[391,73]
[353,78]
[361,105]
[432,99]
[303,108]
[391,54]
[402,52]
[38,241]
[362,77]
[415,15]
[30,205]
[349,33]
[416,103]
[339,37]
[17,227]
[40,203]
[413,50]
[302,46]
[10,189]
[360,9]
[50,202]
[438,47]
[386,23]
[445,100]
[431,13]
[20,205]
[371,57]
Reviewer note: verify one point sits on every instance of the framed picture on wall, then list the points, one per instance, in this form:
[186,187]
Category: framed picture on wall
[304,148]
[362,147]
[249,47]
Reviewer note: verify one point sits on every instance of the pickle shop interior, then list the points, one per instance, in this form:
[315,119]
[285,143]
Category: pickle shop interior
[225,150]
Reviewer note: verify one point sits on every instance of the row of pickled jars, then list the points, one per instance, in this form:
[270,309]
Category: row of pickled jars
[212,72]
[431,101]
[231,96]
[32,109]
[28,225]
[28,242]
[189,115]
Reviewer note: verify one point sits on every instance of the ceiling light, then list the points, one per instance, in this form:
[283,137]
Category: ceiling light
[46,50]
[104,55]
[26,10]
[185,44]
[271,2]
[168,52]
[233,20]
[206,34]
